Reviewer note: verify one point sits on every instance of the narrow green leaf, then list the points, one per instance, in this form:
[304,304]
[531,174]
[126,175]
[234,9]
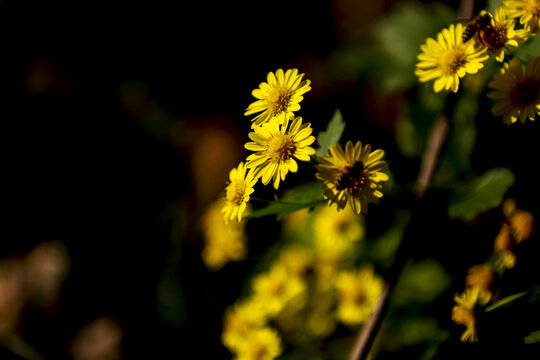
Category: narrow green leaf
[506,300]
[332,135]
[532,338]
[482,194]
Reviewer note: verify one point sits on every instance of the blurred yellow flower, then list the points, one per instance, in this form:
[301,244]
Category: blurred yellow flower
[276,147]
[238,191]
[260,344]
[517,93]
[296,259]
[503,245]
[463,313]
[352,175]
[528,12]
[522,225]
[481,277]
[448,59]
[241,319]
[279,97]
[335,233]
[276,288]
[358,293]
[223,242]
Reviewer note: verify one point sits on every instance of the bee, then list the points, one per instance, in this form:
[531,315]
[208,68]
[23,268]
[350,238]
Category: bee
[352,173]
[480,24]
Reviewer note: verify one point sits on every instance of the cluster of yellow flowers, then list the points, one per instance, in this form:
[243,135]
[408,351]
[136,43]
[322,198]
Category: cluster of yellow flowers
[517,227]
[280,139]
[460,50]
[307,290]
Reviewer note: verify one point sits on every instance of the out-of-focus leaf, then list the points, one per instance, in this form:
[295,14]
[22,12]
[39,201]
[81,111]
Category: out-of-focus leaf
[492,4]
[528,50]
[333,133]
[412,330]
[482,194]
[300,197]
[383,249]
[421,282]
[532,338]
[400,34]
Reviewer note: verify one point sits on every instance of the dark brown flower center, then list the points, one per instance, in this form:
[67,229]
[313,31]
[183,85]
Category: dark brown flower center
[525,92]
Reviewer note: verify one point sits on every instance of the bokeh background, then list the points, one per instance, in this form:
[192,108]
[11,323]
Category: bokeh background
[120,123]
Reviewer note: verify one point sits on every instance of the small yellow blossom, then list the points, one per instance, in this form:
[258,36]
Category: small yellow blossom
[296,259]
[358,292]
[241,319]
[517,93]
[448,59]
[335,233]
[522,225]
[503,247]
[276,288]
[528,12]
[223,242]
[277,146]
[463,313]
[481,277]
[352,175]
[279,97]
[238,192]
[260,344]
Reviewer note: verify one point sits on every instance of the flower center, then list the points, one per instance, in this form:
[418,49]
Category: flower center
[279,100]
[452,61]
[525,92]
[494,37]
[235,192]
[352,176]
[281,148]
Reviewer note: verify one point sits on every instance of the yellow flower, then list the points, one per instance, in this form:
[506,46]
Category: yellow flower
[358,293]
[481,277]
[276,147]
[335,233]
[239,321]
[500,33]
[447,59]
[522,225]
[528,12]
[276,288]
[503,247]
[517,93]
[463,313]
[352,176]
[278,97]
[238,192]
[223,243]
[296,259]
[260,344]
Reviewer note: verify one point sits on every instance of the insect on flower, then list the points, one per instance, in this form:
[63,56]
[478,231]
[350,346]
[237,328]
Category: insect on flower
[479,24]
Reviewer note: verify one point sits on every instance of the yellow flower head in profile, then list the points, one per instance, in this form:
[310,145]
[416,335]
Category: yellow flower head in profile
[276,288]
[448,59]
[238,191]
[279,97]
[463,313]
[241,319]
[223,242]
[528,12]
[277,146]
[352,175]
[503,247]
[499,33]
[481,277]
[260,344]
[335,233]
[358,293]
[517,93]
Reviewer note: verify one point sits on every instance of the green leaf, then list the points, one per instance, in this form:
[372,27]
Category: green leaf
[532,338]
[332,134]
[482,194]
[300,197]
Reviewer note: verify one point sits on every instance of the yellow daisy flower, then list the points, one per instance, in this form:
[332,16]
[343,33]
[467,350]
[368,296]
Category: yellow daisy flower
[358,292]
[463,313]
[528,12]
[241,319]
[279,97]
[260,344]
[500,33]
[447,59]
[223,242]
[237,192]
[517,93]
[352,176]
[276,145]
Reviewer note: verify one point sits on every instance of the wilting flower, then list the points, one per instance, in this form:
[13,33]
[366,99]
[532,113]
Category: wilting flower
[352,175]
[448,59]
[517,93]
[463,313]
[279,97]
[276,148]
